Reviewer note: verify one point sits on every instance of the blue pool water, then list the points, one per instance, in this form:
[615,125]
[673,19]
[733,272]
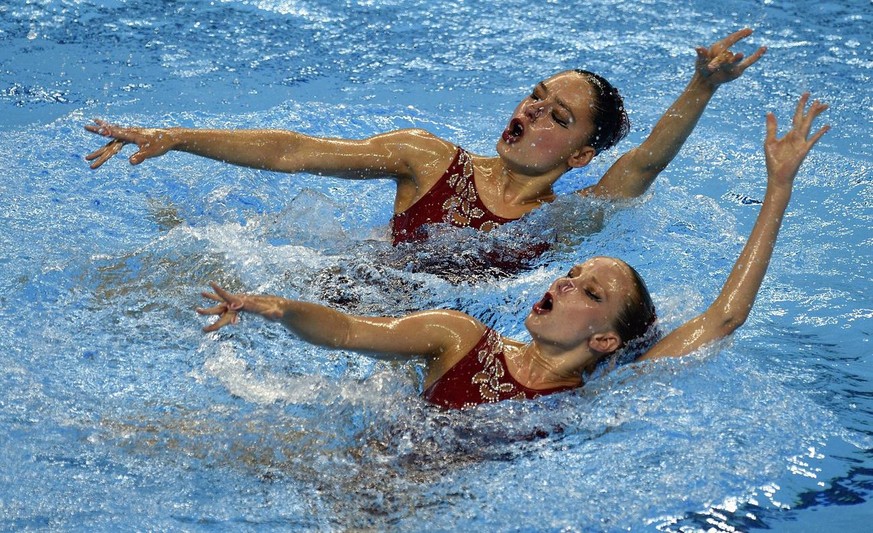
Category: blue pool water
[117,413]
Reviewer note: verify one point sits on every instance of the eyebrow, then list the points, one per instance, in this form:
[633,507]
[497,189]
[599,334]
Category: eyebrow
[542,86]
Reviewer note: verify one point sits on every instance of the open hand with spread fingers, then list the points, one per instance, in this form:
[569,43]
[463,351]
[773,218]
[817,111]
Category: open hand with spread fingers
[718,64]
[784,156]
[150,141]
[228,308]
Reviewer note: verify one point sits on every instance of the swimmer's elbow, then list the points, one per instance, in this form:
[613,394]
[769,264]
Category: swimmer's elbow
[730,319]
[734,324]
[647,159]
[336,339]
[631,176]
[342,333]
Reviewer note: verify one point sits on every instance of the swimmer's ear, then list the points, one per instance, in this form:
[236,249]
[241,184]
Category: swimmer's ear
[581,157]
[607,342]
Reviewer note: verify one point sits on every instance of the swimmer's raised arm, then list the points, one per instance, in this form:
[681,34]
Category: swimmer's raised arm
[635,171]
[730,310]
[432,334]
[393,154]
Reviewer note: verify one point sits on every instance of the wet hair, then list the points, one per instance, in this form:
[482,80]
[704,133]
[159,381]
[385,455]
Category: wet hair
[636,318]
[610,119]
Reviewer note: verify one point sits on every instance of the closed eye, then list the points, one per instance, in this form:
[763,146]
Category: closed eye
[591,294]
[538,91]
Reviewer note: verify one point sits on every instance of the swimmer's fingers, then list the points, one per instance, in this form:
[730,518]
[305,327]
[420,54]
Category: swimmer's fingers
[212,311]
[771,127]
[100,127]
[801,124]
[785,156]
[105,129]
[120,137]
[704,57]
[142,154]
[230,317]
[803,119]
[712,52]
[717,67]
[151,142]
[719,64]
[232,301]
[818,135]
[104,153]
[734,64]
[226,310]
[98,152]
[749,61]
[211,296]
[801,115]
[732,39]
[800,108]
[725,60]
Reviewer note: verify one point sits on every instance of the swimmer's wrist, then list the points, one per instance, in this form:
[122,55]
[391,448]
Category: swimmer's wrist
[778,193]
[175,138]
[701,83]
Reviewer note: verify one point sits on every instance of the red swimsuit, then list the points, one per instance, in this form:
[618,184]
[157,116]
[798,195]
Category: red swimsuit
[481,377]
[452,200]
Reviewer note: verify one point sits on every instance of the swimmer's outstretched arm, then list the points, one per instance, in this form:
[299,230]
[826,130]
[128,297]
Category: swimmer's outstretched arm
[394,154]
[731,308]
[635,171]
[432,334]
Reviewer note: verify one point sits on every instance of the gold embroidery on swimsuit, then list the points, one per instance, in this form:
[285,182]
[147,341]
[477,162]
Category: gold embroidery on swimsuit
[461,207]
[488,226]
[490,387]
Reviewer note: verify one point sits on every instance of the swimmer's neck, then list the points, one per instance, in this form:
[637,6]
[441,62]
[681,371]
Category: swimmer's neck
[539,367]
[516,187]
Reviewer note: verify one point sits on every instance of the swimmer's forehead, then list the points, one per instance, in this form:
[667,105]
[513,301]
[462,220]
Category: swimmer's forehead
[605,270]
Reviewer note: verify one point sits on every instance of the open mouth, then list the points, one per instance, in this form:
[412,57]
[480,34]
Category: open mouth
[544,305]
[514,131]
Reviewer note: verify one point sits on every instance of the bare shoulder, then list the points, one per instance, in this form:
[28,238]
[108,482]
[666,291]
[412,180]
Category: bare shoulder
[415,138]
[460,333]
[420,150]
[426,158]
[462,327]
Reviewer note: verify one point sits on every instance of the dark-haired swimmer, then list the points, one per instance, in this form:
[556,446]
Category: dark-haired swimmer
[583,319]
[567,120]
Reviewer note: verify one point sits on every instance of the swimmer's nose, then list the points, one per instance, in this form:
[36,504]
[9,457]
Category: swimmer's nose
[535,111]
[565,285]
